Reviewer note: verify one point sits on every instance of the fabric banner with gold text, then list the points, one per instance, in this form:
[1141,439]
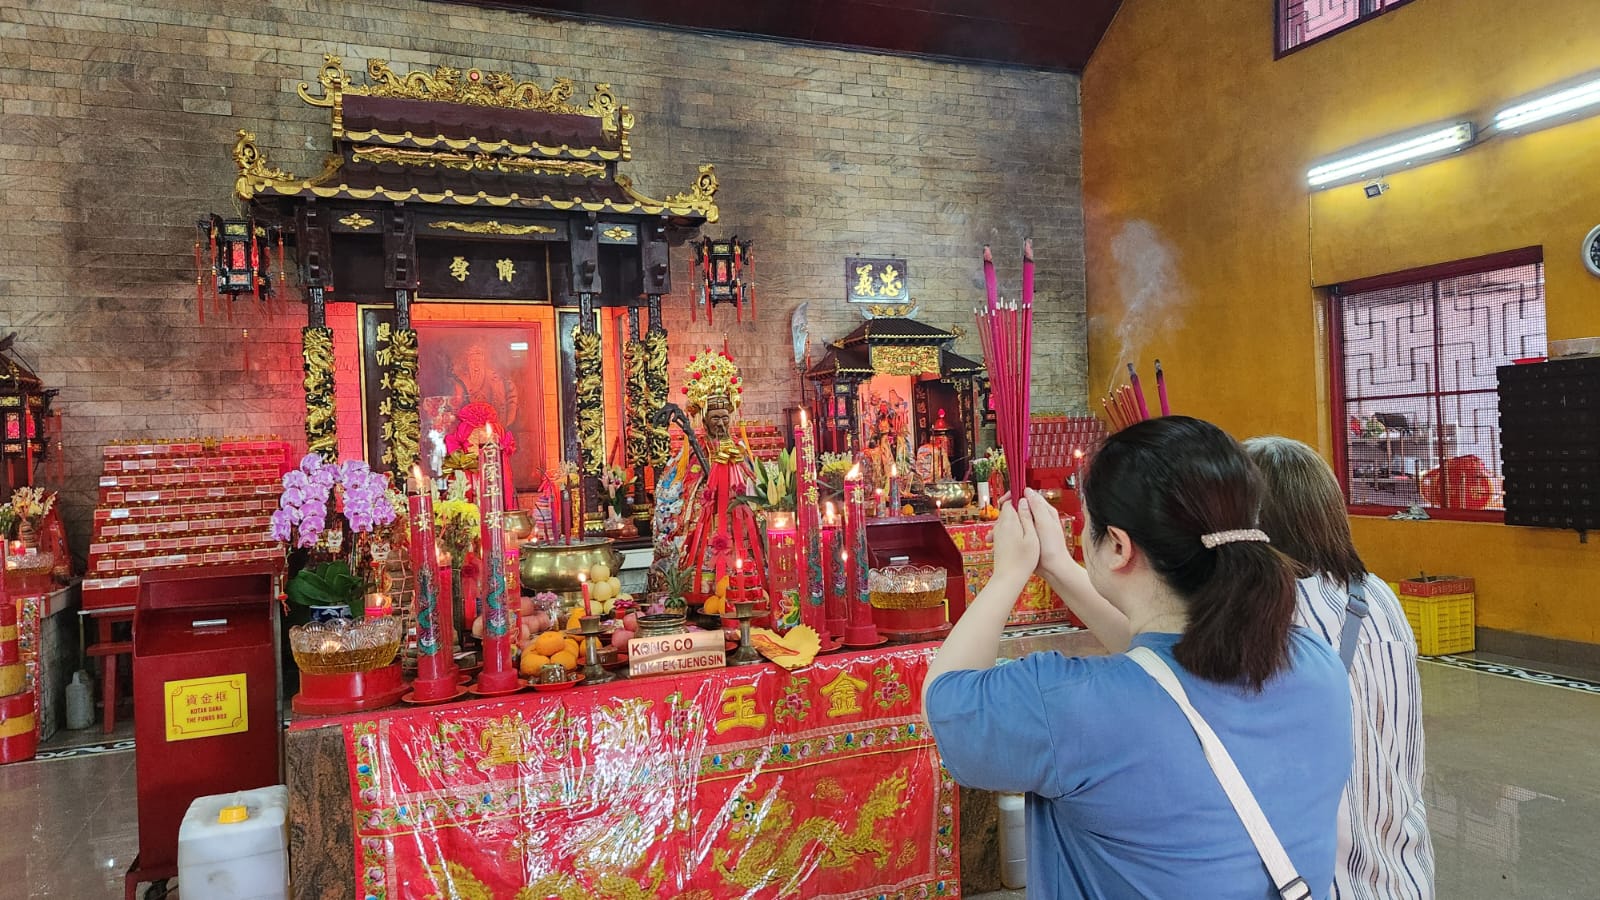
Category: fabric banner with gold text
[747,782]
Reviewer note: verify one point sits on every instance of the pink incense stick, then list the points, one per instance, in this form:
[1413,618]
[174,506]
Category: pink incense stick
[1161,389]
[1138,392]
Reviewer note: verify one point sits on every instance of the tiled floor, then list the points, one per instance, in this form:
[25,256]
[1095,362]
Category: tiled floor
[1514,801]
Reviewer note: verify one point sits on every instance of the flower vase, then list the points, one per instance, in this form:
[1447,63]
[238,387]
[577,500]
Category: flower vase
[27,534]
[340,613]
[997,485]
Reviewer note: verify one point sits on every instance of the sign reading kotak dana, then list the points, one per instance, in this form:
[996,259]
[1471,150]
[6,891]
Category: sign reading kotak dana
[675,653]
[206,707]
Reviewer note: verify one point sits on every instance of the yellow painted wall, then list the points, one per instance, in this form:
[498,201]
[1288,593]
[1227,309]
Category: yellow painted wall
[1191,126]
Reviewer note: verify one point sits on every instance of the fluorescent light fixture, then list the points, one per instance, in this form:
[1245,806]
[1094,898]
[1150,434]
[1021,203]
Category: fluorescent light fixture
[1582,99]
[519,345]
[1429,144]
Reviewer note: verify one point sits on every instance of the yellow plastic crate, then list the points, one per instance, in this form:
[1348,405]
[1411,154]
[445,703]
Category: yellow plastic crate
[1442,624]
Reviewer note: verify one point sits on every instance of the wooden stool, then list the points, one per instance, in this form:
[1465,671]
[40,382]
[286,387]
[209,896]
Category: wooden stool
[108,648]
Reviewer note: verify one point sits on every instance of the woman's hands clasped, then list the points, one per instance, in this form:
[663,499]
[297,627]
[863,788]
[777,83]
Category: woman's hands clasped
[1055,554]
[1016,540]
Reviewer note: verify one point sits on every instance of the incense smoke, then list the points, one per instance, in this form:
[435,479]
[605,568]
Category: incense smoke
[1152,295]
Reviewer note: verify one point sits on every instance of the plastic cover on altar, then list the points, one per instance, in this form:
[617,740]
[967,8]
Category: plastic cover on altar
[749,782]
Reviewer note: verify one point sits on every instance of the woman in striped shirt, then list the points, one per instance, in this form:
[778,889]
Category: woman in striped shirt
[1384,849]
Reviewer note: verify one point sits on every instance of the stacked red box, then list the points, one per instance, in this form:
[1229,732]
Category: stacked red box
[1437,586]
[177,504]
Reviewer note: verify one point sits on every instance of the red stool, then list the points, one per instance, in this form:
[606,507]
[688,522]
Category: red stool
[107,648]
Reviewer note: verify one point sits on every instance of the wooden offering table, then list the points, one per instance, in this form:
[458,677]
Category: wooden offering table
[745,782]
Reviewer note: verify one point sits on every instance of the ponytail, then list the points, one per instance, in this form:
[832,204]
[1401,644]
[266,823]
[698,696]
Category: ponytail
[1239,618]
[1169,481]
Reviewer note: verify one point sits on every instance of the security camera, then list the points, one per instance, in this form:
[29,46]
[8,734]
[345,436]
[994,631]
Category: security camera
[1375,189]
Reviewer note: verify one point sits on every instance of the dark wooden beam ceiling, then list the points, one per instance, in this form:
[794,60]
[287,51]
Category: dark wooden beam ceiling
[1045,34]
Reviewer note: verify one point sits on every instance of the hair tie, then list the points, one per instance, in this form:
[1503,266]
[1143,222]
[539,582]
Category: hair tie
[1217,538]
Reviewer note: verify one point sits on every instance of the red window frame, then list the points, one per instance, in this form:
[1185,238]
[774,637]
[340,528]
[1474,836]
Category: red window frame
[1339,399]
[1378,8]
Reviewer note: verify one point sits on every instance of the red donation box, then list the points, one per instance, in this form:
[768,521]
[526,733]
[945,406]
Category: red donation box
[205,682]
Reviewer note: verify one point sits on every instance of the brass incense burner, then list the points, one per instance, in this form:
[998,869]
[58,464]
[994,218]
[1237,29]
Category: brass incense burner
[555,567]
[952,494]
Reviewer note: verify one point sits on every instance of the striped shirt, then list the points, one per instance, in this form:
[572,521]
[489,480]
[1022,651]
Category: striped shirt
[1384,849]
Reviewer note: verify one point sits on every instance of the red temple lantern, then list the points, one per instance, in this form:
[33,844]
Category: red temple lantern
[240,258]
[724,273]
[24,415]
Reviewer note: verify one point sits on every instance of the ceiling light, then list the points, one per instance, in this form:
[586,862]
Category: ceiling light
[1426,145]
[1582,99]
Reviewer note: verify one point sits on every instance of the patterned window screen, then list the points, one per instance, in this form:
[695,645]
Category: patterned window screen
[1302,21]
[1419,416]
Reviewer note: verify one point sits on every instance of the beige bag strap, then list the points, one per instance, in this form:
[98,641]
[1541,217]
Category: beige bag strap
[1285,879]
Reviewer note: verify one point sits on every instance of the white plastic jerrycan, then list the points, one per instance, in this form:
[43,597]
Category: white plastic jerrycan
[236,846]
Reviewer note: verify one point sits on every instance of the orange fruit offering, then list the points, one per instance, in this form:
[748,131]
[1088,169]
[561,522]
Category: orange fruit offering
[570,645]
[549,643]
[567,659]
[531,663]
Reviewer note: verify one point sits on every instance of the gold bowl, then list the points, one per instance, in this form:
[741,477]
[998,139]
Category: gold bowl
[519,524]
[344,647]
[555,567]
[952,494]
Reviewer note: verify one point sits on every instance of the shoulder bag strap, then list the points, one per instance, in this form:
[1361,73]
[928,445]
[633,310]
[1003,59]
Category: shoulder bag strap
[1355,611]
[1287,882]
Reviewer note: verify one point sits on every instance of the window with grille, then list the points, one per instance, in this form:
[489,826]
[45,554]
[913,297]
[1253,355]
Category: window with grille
[1302,21]
[1414,389]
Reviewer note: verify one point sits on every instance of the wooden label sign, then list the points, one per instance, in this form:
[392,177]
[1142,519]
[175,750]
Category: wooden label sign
[676,653]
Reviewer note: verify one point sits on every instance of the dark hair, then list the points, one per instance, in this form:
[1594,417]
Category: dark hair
[1304,509]
[1168,481]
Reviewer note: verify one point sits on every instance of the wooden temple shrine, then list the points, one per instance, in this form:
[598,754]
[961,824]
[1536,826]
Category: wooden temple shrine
[476,187]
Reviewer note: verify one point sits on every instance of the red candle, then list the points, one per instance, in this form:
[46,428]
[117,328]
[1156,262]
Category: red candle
[859,629]
[583,585]
[497,674]
[436,668]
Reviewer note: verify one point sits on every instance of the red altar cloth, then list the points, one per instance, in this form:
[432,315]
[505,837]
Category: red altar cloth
[749,782]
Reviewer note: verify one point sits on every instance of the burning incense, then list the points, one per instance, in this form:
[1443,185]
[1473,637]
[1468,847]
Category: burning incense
[1161,389]
[991,286]
[1138,392]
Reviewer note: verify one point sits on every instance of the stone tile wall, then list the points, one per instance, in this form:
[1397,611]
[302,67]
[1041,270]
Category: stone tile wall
[116,120]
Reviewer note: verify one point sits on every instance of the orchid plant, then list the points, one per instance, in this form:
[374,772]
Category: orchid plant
[320,502]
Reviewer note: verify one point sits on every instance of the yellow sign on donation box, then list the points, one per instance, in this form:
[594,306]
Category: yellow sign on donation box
[206,707]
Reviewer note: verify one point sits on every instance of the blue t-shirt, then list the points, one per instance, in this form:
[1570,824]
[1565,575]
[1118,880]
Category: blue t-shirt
[1121,802]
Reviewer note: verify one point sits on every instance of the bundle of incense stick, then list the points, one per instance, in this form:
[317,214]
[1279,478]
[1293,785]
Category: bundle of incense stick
[1126,405]
[1006,331]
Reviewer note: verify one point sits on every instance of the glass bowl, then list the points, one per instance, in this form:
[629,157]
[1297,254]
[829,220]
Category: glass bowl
[344,647]
[907,587]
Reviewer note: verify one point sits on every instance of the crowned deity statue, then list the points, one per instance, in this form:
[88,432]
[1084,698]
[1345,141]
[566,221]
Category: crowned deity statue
[698,527]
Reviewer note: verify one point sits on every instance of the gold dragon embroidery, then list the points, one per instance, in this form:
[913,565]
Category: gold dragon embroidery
[775,853]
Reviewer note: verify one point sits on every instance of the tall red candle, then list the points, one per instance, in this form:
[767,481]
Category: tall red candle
[859,629]
[498,674]
[436,667]
[808,530]
[834,577]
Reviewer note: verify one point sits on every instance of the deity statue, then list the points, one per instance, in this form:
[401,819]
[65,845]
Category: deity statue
[698,527]
[888,447]
[933,458]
